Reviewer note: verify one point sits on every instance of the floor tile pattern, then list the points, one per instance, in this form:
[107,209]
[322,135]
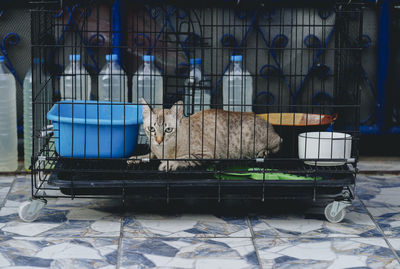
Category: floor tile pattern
[94,233]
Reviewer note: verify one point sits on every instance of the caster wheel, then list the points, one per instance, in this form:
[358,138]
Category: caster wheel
[334,212]
[29,211]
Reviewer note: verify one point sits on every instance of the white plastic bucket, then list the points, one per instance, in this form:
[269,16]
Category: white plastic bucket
[326,146]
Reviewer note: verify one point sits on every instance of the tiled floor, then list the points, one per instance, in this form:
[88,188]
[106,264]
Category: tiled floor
[98,234]
[374,164]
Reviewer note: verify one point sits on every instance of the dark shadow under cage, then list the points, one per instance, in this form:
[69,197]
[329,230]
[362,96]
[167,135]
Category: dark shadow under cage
[244,101]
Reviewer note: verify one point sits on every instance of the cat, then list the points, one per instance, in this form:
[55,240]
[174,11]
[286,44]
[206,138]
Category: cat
[207,134]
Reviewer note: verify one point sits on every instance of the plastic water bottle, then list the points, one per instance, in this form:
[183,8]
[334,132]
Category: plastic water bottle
[237,87]
[75,83]
[8,120]
[27,96]
[147,83]
[113,84]
[197,89]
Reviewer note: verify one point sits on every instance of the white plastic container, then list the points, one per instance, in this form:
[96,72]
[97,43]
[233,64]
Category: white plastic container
[237,87]
[113,83]
[8,120]
[75,82]
[147,83]
[197,89]
[325,146]
[27,94]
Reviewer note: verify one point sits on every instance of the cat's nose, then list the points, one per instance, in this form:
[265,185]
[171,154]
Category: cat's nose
[159,139]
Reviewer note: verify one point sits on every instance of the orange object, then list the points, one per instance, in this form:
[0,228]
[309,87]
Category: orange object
[298,119]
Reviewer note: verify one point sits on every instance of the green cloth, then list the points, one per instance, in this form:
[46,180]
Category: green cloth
[257,174]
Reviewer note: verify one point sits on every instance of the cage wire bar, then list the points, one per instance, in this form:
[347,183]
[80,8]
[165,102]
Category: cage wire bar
[302,59]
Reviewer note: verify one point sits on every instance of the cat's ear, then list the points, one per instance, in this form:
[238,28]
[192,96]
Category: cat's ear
[142,101]
[146,108]
[177,109]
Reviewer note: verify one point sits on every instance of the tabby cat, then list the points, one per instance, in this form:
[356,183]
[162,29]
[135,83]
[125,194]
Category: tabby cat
[208,134]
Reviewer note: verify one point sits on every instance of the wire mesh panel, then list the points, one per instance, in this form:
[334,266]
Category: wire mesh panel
[231,98]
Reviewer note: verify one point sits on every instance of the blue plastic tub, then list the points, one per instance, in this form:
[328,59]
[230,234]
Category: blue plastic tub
[92,129]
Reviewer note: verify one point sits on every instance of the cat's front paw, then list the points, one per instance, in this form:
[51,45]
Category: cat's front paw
[133,161]
[163,166]
[170,166]
[263,154]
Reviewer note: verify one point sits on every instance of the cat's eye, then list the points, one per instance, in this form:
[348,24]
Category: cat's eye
[168,130]
[151,129]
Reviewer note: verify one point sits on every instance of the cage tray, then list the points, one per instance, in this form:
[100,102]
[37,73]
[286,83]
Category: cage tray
[70,173]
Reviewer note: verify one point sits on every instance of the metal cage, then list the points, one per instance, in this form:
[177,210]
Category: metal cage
[304,66]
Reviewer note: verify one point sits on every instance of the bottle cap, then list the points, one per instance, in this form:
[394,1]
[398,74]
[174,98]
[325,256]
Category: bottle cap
[74,57]
[112,57]
[195,61]
[1,59]
[236,58]
[148,58]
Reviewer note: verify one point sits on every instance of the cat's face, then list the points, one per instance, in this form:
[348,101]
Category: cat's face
[160,124]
